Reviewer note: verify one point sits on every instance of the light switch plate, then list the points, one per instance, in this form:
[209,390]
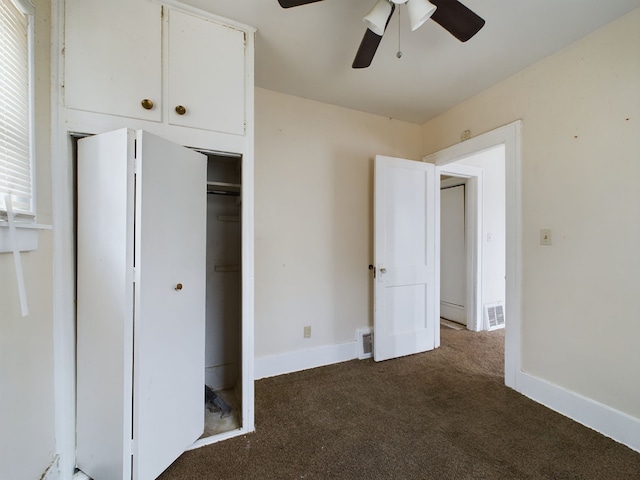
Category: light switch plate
[545,236]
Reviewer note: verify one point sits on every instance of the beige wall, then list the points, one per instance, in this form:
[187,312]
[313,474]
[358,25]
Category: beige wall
[580,166]
[314,218]
[27,443]
[493,222]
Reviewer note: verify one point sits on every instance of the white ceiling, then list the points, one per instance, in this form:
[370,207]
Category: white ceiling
[307,51]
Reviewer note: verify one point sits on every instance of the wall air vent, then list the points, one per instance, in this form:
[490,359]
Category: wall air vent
[494,316]
[365,343]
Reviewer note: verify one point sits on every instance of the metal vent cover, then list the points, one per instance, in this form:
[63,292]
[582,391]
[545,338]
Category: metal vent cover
[365,343]
[494,316]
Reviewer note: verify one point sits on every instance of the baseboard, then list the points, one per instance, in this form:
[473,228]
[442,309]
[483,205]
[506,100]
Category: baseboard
[455,313]
[612,423]
[53,470]
[304,359]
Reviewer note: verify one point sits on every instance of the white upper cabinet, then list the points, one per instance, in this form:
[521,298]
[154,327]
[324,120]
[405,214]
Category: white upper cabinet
[113,57]
[117,64]
[206,74]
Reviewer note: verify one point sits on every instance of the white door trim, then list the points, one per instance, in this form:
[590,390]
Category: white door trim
[509,136]
[64,346]
[474,177]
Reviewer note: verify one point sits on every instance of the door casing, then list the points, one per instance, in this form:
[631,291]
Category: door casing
[510,136]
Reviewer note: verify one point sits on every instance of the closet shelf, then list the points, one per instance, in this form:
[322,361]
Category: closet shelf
[227,268]
[223,187]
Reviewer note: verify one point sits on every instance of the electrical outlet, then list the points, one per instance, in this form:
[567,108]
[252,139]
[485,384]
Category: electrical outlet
[307,331]
[545,236]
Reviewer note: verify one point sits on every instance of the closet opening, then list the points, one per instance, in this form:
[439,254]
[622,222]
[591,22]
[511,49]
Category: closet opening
[223,345]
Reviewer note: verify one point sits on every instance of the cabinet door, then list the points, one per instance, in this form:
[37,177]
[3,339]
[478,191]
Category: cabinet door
[169,325]
[113,57]
[206,74]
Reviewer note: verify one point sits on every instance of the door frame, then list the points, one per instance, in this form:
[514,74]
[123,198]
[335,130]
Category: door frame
[510,136]
[473,204]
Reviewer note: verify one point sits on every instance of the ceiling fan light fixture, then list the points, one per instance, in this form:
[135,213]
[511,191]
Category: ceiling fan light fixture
[376,19]
[419,12]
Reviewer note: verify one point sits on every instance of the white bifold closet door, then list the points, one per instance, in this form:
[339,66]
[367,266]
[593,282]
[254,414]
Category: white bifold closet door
[141,303]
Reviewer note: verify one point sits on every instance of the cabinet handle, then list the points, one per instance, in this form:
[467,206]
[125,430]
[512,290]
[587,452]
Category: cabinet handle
[147,104]
[180,110]
[179,287]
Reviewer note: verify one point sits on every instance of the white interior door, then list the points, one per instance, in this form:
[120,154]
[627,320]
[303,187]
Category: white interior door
[404,255]
[453,254]
[171,210]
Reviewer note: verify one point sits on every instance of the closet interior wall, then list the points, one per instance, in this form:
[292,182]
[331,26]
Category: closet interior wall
[223,353]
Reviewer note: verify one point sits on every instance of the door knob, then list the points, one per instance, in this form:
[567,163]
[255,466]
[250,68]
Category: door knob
[383,270]
[180,110]
[147,104]
[179,287]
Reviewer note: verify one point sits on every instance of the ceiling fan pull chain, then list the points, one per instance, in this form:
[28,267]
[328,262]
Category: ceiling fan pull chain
[399,54]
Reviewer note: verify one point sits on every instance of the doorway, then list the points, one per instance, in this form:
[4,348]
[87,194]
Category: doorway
[508,136]
[472,232]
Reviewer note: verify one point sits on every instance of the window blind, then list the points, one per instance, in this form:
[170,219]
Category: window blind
[15,130]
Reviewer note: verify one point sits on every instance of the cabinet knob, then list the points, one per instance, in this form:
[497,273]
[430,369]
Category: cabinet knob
[147,104]
[180,110]
[179,287]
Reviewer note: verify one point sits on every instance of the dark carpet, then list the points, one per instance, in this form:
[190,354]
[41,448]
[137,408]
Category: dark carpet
[444,414]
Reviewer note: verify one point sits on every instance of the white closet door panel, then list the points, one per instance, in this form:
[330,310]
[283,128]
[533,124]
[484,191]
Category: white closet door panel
[206,74]
[169,322]
[105,304]
[113,57]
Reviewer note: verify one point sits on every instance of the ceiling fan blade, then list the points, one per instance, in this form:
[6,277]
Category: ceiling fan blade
[295,3]
[367,50]
[369,45]
[457,19]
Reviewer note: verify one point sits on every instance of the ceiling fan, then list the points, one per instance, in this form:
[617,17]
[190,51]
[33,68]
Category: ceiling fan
[452,15]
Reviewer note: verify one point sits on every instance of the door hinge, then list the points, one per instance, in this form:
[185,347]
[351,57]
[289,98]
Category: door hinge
[371,267]
[135,157]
